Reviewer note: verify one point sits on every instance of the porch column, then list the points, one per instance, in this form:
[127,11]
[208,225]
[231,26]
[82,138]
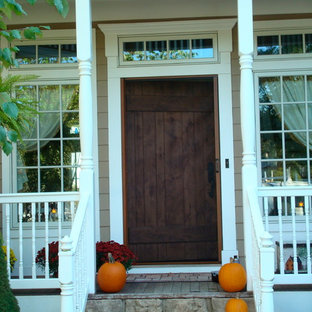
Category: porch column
[247,110]
[84,55]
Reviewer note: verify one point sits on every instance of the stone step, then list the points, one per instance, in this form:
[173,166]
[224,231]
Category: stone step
[186,295]
[205,303]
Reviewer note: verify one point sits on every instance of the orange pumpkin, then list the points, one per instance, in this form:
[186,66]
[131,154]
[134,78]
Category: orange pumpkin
[236,305]
[232,277]
[111,276]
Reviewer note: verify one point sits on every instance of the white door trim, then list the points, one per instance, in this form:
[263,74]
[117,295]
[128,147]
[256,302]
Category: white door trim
[221,68]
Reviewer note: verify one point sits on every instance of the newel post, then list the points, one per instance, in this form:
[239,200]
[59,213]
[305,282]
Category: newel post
[66,274]
[247,110]
[84,56]
[267,272]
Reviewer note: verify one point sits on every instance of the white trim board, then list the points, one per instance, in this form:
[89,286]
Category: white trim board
[222,68]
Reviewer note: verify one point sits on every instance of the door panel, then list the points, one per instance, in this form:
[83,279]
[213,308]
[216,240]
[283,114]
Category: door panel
[170,152]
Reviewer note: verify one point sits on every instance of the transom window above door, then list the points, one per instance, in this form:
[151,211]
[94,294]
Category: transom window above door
[168,49]
[285,120]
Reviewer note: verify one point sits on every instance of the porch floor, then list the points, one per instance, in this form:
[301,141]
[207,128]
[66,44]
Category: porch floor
[169,285]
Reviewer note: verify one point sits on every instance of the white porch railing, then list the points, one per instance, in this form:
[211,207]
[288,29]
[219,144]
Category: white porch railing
[262,258]
[31,222]
[74,276]
[286,215]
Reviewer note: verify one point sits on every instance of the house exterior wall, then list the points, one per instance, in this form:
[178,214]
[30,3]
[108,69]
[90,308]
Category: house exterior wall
[237,144]
[102,135]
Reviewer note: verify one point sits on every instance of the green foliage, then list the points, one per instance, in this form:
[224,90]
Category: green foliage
[7,300]
[16,114]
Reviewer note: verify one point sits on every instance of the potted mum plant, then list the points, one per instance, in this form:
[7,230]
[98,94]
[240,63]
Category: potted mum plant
[121,253]
[53,258]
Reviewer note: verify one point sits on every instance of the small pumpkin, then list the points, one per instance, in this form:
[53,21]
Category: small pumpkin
[232,277]
[236,305]
[111,276]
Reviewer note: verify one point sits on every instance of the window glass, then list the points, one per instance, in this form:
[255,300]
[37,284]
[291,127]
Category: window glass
[133,51]
[156,50]
[270,117]
[295,145]
[50,180]
[49,98]
[296,172]
[267,45]
[269,90]
[50,153]
[293,88]
[179,49]
[308,43]
[292,44]
[309,87]
[272,172]
[271,145]
[48,54]
[69,53]
[70,125]
[202,48]
[294,117]
[26,55]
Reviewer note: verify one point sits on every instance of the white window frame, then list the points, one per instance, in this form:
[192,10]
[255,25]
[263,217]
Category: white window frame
[166,37]
[52,72]
[275,65]
[283,159]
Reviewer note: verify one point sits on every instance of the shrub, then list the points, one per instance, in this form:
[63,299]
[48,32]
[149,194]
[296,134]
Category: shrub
[8,301]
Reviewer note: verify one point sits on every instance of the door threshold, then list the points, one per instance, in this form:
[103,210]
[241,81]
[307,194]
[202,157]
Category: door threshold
[174,268]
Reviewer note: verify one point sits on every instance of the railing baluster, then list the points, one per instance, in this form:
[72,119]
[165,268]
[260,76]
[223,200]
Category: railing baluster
[46,222]
[293,223]
[7,222]
[20,229]
[307,210]
[281,240]
[72,207]
[59,219]
[266,212]
[33,238]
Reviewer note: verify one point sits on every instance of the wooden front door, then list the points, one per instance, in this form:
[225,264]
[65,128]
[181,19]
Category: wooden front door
[171,198]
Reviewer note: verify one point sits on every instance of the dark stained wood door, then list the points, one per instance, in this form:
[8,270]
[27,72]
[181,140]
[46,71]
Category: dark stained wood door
[171,182]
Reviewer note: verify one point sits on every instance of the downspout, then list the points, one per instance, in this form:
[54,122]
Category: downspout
[84,55]
[247,111]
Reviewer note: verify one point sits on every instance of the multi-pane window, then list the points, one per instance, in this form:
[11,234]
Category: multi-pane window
[168,49]
[48,159]
[285,114]
[46,54]
[277,44]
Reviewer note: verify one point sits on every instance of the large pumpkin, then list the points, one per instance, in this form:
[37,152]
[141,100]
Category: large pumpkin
[232,277]
[111,275]
[236,305]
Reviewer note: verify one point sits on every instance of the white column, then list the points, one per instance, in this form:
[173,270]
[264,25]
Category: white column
[84,55]
[247,108]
